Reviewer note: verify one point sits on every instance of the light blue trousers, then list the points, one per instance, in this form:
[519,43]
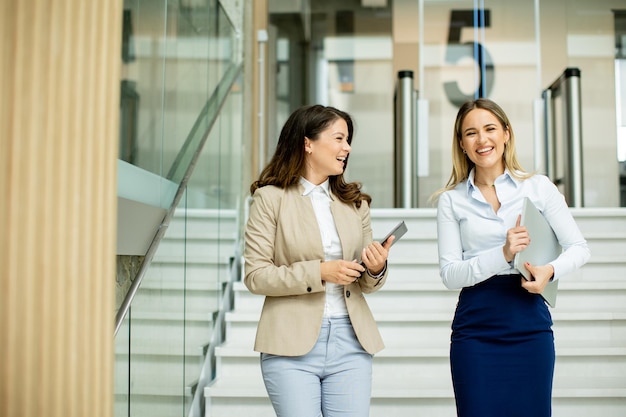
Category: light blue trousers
[334,378]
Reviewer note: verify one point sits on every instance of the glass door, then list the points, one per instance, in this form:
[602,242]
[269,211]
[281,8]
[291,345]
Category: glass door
[348,55]
[510,52]
[473,49]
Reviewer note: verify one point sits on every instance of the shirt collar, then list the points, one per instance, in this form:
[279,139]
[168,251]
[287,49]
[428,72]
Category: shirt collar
[504,177]
[309,186]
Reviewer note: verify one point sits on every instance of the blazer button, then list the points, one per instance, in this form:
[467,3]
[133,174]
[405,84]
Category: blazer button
[309,289]
[348,294]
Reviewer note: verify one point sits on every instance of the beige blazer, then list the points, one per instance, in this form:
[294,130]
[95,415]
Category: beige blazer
[283,252]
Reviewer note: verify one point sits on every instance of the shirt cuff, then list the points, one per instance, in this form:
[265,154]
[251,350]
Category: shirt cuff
[379,275]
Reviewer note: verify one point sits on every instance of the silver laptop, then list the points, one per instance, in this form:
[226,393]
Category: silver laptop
[544,247]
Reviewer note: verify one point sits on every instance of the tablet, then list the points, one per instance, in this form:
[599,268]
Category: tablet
[544,247]
[397,231]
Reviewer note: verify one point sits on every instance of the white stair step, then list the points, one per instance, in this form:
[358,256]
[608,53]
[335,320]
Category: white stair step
[174,302]
[189,275]
[599,267]
[426,398]
[604,230]
[165,376]
[150,405]
[400,366]
[414,312]
[165,328]
[434,297]
[600,221]
[204,223]
[198,248]
[409,271]
[564,387]
[392,297]
[422,330]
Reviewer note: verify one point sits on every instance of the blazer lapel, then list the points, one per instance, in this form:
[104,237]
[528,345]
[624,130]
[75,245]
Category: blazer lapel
[305,215]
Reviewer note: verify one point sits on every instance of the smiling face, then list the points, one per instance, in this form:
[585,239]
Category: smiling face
[326,155]
[483,139]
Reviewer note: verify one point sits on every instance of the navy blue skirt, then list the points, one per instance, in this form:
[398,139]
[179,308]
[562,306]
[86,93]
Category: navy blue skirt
[502,351]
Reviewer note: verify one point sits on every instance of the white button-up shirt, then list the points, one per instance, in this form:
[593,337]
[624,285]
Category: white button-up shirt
[320,197]
[471,235]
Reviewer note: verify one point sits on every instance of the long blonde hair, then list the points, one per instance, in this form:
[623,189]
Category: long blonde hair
[461,164]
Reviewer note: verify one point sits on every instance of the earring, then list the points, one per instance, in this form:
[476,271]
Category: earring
[464,151]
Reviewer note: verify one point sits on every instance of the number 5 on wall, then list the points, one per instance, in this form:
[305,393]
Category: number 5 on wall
[455,50]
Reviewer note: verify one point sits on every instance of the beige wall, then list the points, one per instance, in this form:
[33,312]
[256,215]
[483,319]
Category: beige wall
[59,105]
[258,22]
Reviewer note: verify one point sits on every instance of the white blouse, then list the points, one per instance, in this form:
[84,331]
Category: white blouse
[320,197]
[471,235]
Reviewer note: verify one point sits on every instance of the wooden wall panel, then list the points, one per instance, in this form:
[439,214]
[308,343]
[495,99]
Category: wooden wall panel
[59,105]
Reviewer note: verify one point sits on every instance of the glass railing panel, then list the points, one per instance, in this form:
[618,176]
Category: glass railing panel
[197,137]
[145,29]
[216,183]
[213,215]
[122,370]
[228,39]
[174,58]
[172,313]
[215,187]
[182,86]
[159,371]
[190,75]
[223,65]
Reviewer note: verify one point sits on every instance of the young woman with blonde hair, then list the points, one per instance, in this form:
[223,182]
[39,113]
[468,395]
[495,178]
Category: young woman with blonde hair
[502,346]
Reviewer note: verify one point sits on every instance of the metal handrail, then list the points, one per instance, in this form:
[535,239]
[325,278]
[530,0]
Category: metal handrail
[182,172]
[218,335]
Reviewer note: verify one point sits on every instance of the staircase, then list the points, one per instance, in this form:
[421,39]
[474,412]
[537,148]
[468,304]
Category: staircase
[161,348]
[411,376]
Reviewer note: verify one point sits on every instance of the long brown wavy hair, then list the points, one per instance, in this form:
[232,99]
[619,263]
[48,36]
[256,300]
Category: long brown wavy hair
[461,164]
[288,163]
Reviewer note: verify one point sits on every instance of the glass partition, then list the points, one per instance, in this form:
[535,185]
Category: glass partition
[142,71]
[216,183]
[471,50]
[122,370]
[510,52]
[171,319]
[348,59]
[164,337]
[174,57]
[589,40]
[459,49]
[181,120]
